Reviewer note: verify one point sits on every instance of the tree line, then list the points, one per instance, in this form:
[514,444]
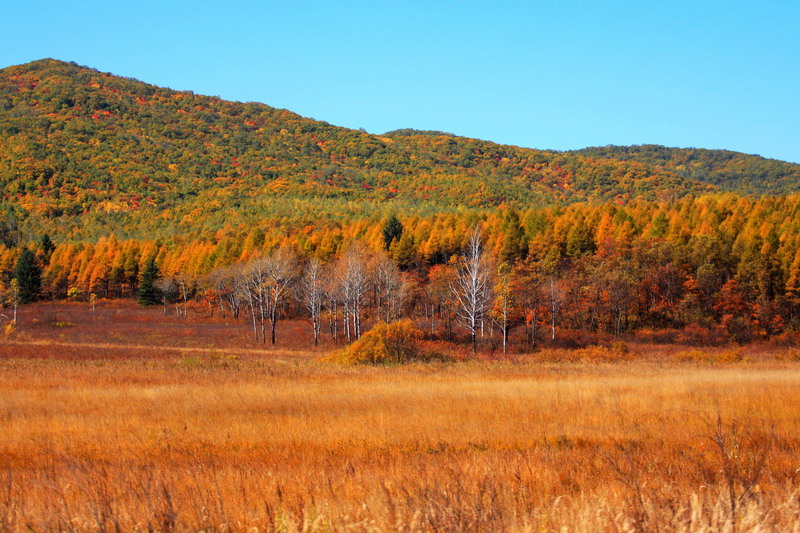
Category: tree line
[724,263]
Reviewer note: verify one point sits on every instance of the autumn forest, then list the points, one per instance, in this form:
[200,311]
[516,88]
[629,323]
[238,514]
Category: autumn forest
[223,316]
[110,184]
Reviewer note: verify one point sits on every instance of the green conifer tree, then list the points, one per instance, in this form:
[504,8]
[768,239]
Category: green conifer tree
[47,247]
[28,275]
[392,231]
[148,292]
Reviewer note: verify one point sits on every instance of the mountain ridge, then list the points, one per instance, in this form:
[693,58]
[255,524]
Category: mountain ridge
[710,166]
[84,152]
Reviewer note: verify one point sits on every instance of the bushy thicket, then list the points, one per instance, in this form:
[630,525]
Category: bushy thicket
[396,343]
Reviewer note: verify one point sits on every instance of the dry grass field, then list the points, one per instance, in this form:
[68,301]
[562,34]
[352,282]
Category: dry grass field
[128,421]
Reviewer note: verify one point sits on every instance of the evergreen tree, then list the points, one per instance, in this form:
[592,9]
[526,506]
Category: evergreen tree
[392,231]
[28,275]
[148,292]
[47,246]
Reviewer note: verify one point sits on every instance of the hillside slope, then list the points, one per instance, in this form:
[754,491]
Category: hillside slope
[727,170]
[85,153]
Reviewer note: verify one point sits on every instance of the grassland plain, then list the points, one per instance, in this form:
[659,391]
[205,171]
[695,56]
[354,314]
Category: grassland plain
[112,432]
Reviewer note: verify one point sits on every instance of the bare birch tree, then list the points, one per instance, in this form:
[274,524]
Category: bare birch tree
[185,285]
[354,282]
[253,287]
[225,282]
[556,295]
[312,291]
[11,296]
[168,289]
[388,286]
[281,271]
[472,286]
[332,299]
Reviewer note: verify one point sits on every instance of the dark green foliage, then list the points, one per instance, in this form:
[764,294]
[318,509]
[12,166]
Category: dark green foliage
[553,262]
[46,246]
[28,274]
[580,240]
[729,171]
[10,216]
[515,245]
[404,252]
[392,231]
[148,292]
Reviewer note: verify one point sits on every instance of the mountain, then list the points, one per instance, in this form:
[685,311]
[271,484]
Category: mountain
[731,171]
[85,153]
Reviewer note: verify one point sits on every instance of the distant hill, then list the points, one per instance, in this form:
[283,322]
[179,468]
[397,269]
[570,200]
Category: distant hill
[85,153]
[730,171]
[408,132]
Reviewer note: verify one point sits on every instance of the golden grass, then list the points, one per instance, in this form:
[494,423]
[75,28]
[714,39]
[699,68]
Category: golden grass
[133,421]
[237,442]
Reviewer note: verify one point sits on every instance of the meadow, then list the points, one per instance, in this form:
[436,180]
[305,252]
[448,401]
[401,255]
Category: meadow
[123,419]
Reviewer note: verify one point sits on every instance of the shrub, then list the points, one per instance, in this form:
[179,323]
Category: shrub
[657,336]
[702,356]
[787,339]
[620,347]
[578,339]
[596,353]
[54,321]
[740,329]
[695,335]
[602,354]
[396,343]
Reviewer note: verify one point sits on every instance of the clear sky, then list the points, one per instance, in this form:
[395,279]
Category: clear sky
[558,74]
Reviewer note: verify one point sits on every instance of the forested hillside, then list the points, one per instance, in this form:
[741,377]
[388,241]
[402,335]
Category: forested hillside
[731,171]
[110,185]
[83,153]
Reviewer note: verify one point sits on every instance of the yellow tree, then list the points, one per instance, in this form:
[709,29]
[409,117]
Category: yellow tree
[505,301]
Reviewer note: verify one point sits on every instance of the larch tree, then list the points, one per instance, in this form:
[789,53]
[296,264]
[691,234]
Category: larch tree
[793,286]
[505,302]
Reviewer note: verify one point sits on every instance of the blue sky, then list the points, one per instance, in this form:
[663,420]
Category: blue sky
[555,74]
